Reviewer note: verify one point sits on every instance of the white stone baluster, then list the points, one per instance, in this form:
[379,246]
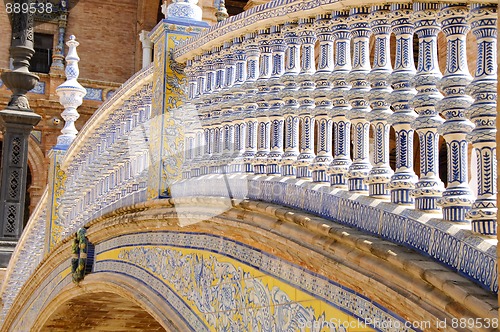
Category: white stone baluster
[307,37]
[288,95]
[341,125]
[240,58]
[278,47]
[227,111]
[357,96]
[71,95]
[381,173]
[252,53]
[323,110]
[403,181]
[429,187]
[263,121]
[457,197]
[483,112]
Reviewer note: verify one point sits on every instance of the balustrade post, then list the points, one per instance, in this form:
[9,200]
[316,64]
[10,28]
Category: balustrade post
[429,187]
[323,109]
[240,58]
[381,173]
[457,197]
[278,47]
[216,141]
[252,52]
[483,112]
[263,122]
[288,95]
[307,38]
[207,143]
[357,96]
[227,111]
[403,181]
[341,125]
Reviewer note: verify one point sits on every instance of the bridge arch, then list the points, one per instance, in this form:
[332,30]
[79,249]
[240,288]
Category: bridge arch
[251,259]
[107,300]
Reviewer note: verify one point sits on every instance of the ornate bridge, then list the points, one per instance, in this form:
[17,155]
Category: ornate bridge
[246,180]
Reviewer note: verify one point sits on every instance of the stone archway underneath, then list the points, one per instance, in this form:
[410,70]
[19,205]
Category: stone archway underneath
[101,311]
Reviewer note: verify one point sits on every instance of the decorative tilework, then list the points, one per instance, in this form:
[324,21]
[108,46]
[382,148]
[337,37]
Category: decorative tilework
[231,286]
[39,88]
[167,137]
[437,239]
[93,94]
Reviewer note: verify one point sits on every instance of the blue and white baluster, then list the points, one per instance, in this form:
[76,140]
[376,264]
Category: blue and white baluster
[457,197]
[307,36]
[404,179]
[381,173]
[289,97]
[190,72]
[227,111]
[323,110]
[275,102]
[483,20]
[198,102]
[216,111]
[252,53]
[429,187]
[238,107]
[263,122]
[341,125]
[207,142]
[357,96]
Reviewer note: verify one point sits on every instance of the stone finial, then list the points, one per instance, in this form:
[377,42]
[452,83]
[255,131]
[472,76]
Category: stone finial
[182,10]
[71,95]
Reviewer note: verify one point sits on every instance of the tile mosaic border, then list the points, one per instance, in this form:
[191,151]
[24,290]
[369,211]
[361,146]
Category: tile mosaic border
[318,286]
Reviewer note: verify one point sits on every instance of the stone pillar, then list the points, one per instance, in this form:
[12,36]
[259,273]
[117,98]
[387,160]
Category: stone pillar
[183,19]
[358,98]
[341,125]
[429,187]
[147,47]
[483,20]
[16,122]
[71,95]
[380,174]
[457,198]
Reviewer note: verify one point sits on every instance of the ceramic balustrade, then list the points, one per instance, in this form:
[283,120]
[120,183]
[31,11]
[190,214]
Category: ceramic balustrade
[288,116]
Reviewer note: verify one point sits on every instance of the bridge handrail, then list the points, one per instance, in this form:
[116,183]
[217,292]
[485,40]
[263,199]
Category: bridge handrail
[28,253]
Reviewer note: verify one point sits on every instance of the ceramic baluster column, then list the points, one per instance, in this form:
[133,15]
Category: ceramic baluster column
[207,143]
[323,110]
[278,47]
[483,20]
[263,122]
[307,37]
[227,111]
[198,152]
[252,52]
[381,173]
[217,141]
[289,97]
[240,58]
[429,187]
[358,98]
[457,198]
[341,125]
[403,181]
